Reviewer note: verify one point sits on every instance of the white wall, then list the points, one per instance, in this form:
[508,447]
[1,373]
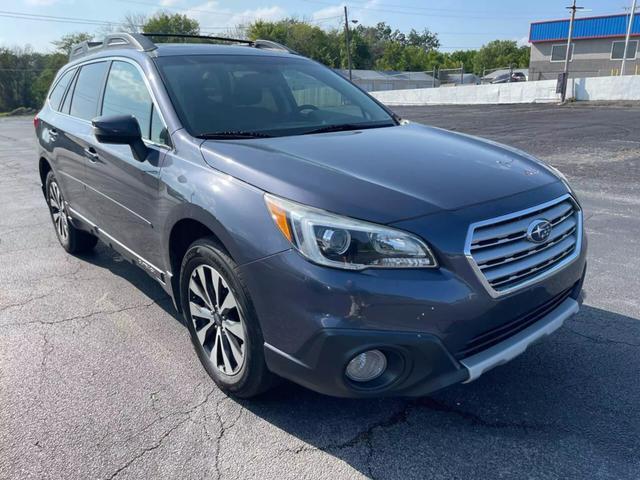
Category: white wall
[607,88]
[596,88]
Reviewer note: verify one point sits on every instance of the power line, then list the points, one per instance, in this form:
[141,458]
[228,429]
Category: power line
[190,10]
[413,13]
[107,23]
[431,9]
[78,20]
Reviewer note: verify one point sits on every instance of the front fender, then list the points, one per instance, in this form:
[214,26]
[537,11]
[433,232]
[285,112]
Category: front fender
[232,210]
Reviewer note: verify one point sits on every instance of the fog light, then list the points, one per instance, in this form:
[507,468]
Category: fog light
[367,366]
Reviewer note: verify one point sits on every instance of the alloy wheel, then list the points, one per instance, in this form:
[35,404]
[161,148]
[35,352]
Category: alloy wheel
[217,320]
[58,211]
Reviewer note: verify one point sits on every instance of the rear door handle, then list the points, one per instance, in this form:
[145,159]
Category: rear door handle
[91,154]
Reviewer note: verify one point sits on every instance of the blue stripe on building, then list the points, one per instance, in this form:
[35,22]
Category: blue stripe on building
[594,27]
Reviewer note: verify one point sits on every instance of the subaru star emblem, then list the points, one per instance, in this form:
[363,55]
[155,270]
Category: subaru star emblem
[538,231]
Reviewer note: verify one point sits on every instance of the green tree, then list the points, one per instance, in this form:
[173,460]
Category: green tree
[500,53]
[41,84]
[408,58]
[163,22]
[426,40]
[309,40]
[64,44]
[459,58]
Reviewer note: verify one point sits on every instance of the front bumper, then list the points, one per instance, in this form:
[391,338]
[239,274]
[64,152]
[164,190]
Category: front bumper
[437,326]
[315,327]
[418,364]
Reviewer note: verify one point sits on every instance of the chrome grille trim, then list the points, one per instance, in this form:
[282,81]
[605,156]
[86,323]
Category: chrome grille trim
[491,256]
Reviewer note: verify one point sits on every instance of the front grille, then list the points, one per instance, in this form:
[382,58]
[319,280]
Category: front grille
[507,259]
[496,335]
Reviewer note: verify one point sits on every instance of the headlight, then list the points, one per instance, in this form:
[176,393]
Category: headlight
[342,242]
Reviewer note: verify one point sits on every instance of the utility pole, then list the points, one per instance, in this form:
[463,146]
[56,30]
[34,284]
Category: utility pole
[565,79]
[626,41]
[346,38]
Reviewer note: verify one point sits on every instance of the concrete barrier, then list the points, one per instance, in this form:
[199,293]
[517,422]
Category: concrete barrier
[626,88]
[544,91]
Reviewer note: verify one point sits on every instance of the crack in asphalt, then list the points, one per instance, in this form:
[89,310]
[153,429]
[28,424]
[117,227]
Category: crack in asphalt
[47,348]
[223,430]
[84,316]
[602,341]
[25,302]
[186,414]
[402,416]
[146,450]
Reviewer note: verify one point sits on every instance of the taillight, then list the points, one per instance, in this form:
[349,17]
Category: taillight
[36,122]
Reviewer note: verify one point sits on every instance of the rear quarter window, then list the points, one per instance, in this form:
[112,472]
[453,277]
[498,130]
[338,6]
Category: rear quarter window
[58,91]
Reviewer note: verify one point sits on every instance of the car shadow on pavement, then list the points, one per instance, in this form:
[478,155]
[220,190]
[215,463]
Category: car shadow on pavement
[104,257]
[566,408]
[569,404]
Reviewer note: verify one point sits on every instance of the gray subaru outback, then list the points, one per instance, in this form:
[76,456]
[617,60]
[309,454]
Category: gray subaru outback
[302,229]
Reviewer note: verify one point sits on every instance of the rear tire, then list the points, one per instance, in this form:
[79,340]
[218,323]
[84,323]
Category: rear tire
[222,321]
[72,239]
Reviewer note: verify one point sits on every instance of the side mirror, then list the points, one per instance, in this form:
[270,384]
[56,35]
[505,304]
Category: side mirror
[120,130]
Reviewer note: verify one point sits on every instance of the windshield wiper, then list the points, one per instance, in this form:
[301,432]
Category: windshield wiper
[233,134]
[343,127]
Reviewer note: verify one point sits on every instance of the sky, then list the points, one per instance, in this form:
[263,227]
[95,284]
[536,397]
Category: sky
[460,24]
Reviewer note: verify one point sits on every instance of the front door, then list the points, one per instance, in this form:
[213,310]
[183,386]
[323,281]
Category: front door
[122,192]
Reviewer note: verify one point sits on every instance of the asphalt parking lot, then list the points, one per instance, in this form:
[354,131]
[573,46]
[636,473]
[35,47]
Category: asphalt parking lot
[98,378]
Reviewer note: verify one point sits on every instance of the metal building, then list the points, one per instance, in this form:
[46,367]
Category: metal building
[597,47]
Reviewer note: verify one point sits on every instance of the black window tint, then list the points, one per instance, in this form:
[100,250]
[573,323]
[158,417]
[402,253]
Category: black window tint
[67,98]
[58,91]
[85,94]
[127,94]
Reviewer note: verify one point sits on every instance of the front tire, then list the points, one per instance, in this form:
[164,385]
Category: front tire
[72,239]
[221,320]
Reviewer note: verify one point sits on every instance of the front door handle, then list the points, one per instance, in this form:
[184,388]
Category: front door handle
[91,154]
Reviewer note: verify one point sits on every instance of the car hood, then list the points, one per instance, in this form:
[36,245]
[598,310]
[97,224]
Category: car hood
[381,174]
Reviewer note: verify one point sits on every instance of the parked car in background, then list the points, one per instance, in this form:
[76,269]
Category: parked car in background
[515,77]
[302,229]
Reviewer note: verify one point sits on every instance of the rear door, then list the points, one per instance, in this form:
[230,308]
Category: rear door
[75,135]
[122,191]
[54,138]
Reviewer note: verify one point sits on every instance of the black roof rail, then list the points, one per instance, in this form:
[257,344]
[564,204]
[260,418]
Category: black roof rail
[201,37]
[113,40]
[143,42]
[266,44]
[271,45]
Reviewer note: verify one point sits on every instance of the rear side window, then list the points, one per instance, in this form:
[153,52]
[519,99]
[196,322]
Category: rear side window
[67,98]
[127,94]
[84,103]
[58,91]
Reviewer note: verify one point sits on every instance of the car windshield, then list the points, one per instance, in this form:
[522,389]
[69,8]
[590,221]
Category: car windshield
[246,96]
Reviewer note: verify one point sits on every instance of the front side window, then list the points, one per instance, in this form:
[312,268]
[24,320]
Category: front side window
[84,103]
[617,50]
[127,94]
[264,95]
[58,91]
[559,53]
